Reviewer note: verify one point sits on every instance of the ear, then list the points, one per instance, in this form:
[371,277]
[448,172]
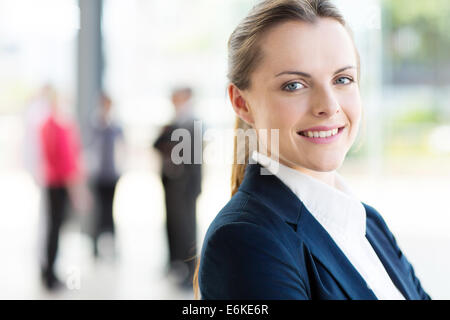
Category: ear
[240,105]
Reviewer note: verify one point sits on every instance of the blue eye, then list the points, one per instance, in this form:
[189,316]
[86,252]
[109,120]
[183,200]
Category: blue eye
[344,80]
[293,86]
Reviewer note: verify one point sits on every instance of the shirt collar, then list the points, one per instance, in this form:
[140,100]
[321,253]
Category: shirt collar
[336,209]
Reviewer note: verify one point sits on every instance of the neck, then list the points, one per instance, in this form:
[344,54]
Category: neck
[328,178]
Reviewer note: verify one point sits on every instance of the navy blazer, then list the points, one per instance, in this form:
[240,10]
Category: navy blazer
[264,244]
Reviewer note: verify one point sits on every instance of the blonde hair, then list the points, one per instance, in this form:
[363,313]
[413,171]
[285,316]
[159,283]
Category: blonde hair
[244,55]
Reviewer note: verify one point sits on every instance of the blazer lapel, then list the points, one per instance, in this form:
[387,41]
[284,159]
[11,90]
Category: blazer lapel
[276,195]
[324,248]
[389,265]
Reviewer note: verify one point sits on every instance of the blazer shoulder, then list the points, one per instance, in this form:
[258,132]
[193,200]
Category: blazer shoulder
[244,208]
[245,219]
[245,256]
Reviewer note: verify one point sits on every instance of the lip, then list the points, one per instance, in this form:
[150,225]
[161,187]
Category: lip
[327,140]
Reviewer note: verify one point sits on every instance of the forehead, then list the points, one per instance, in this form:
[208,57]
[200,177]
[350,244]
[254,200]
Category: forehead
[323,46]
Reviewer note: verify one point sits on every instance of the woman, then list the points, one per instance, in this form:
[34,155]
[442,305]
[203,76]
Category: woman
[298,233]
[63,176]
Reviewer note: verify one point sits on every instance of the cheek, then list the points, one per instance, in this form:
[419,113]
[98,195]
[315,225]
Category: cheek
[280,113]
[351,106]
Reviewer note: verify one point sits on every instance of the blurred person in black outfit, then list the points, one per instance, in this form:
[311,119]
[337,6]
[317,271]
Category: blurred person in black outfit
[182,185]
[106,150]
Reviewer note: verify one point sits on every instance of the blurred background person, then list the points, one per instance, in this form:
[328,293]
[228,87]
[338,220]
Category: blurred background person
[62,176]
[106,148]
[36,111]
[182,185]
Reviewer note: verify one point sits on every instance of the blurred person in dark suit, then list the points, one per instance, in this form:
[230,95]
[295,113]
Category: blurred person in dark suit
[182,185]
[106,151]
[62,180]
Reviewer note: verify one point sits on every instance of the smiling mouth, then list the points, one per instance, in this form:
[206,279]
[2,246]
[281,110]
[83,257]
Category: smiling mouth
[321,134]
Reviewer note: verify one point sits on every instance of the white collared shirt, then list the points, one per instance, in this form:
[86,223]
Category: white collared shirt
[343,216]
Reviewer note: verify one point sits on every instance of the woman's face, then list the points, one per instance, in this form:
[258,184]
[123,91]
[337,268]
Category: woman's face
[306,87]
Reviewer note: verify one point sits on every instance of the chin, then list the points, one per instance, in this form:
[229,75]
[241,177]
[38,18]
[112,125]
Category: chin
[326,165]
[327,168]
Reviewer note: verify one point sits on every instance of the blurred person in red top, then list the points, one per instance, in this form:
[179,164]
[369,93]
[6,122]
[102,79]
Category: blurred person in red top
[63,176]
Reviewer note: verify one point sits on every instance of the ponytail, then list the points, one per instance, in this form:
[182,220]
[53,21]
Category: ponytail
[238,168]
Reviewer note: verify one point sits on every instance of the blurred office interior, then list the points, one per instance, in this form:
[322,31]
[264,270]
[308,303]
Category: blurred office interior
[137,50]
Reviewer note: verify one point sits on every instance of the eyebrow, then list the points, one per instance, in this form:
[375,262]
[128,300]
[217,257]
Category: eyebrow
[307,75]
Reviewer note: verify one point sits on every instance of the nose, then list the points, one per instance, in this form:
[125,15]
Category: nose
[324,103]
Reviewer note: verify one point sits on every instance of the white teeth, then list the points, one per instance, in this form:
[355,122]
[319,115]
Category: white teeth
[321,134]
